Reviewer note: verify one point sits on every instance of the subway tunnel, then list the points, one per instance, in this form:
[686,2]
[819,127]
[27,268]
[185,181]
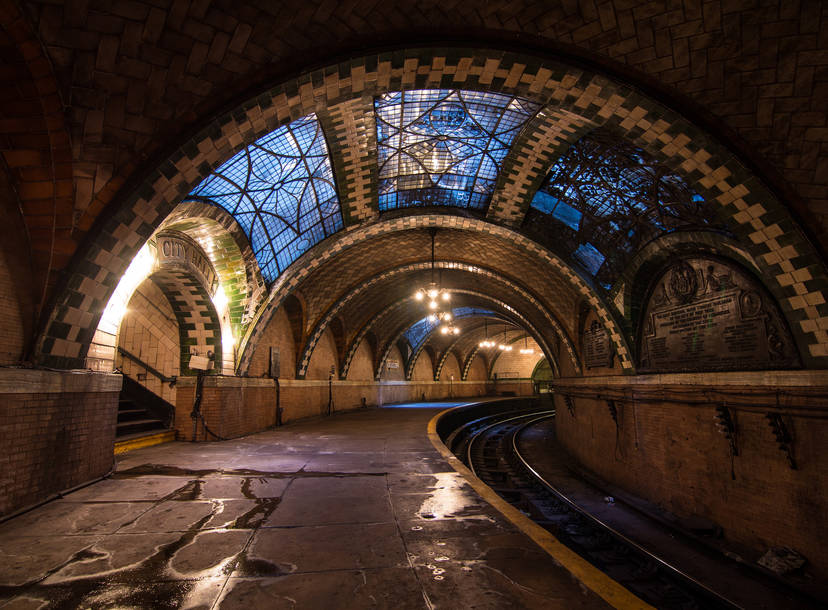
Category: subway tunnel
[239,237]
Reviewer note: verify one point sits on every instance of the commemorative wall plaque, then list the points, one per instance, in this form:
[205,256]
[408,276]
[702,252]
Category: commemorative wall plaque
[596,343]
[704,314]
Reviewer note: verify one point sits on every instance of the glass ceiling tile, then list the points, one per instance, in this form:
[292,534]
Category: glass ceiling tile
[281,191]
[605,198]
[444,147]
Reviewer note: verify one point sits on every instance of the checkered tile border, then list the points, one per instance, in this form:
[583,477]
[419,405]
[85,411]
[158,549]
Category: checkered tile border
[796,275]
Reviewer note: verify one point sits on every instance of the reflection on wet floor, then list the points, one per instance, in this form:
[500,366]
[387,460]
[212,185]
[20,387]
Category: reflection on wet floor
[356,510]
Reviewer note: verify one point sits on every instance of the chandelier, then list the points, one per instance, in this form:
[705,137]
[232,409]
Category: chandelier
[503,346]
[433,292]
[526,350]
[486,343]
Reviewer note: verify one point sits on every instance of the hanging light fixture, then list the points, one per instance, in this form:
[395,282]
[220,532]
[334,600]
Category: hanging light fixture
[503,345]
[433,292]
[526,350]
[486,343]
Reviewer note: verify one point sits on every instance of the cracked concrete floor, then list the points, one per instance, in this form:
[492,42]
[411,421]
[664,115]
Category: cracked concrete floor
[356,510]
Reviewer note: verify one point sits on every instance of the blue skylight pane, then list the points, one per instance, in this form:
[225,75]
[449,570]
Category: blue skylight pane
[419,331]
[281,191]
[567,215]
[544,202]
[444,144]
[589,257]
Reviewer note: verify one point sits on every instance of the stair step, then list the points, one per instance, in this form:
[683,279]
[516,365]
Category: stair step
[139,425]
[143,439]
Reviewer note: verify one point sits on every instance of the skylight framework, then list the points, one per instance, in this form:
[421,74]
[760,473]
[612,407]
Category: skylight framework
[605,198]
[444,147]
[281,190]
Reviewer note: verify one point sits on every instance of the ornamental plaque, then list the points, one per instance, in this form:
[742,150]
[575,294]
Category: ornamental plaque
[705,314]
[596,344]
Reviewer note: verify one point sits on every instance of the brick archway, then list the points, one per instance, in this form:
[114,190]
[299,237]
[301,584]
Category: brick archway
[751,208]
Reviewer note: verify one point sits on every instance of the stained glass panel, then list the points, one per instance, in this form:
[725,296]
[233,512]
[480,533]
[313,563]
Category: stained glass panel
[281,191]
[444,147]
[605,198]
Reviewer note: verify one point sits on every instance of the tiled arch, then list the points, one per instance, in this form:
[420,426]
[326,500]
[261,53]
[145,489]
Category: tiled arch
[232,257]
[511,285]
[547,351]
[752,209]
[198,323]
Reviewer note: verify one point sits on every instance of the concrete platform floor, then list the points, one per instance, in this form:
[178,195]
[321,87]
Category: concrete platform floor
[356,510]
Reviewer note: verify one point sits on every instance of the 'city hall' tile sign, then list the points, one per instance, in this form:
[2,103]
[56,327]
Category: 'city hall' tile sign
[178,249]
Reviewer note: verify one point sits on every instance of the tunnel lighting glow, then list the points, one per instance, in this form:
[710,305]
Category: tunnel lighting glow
[446,296]
[220,300]
[527,351]
[432,293]
[444,330]
[137,272]
[432,305]
[419,295]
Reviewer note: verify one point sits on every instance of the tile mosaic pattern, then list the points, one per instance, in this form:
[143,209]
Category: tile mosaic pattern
[793,271]
[198,324]
[379,279]
[352,144]
[547,136]
[514,314]
[227,247]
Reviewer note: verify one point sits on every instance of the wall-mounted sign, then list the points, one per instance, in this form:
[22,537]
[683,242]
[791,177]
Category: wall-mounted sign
[178,249]
[705,314]
[596,345]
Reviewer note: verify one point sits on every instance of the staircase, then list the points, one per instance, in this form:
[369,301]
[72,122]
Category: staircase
[134,420]
[143,418]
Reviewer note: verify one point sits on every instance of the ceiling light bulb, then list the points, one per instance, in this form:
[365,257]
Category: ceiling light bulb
[432,305]
[447,316]
[446,296]
[508,348]
[432,318]
[444,330]
[432,293]
[456,331]
[419,295]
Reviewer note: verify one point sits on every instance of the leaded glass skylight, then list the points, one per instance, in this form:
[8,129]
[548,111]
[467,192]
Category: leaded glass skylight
[444,147]
[419,331]
[605,198]
[280,189]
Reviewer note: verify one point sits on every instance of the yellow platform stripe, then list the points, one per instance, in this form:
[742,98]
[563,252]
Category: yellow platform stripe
[145,441]
[594,579]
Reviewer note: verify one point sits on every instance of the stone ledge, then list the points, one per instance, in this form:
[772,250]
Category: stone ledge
[38,381]
[748,378]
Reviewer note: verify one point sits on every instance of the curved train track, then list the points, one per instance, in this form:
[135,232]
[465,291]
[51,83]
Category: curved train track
[488,446]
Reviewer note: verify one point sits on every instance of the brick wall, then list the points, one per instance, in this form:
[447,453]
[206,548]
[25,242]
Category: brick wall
[323,358]
[276,334]
[397,374]
[423,368]
[362,364]
[12,338]
[149,330]
[58,431]
[451,369]
[672,454]
[232,406]
[236,406]
[477,370]
[516,364]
